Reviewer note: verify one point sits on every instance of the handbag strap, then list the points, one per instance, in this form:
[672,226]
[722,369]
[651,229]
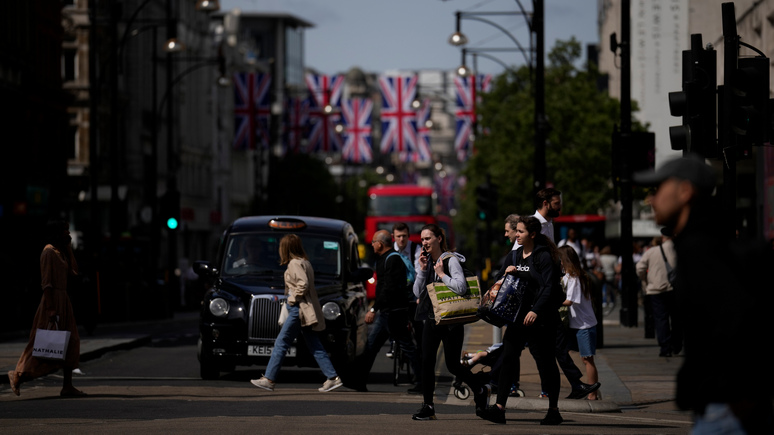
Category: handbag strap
[666,262]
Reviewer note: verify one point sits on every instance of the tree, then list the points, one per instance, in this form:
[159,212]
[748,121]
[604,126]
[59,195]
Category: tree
[580,120]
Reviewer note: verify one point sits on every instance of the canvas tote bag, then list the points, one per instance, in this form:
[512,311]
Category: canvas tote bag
[449,307]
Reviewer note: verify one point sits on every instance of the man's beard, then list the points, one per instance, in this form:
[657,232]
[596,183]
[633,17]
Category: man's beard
[553,213]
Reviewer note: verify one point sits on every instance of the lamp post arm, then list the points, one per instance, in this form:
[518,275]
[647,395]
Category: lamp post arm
[125,35]
[524,12]
[180,77]
[502,29]
[490,57]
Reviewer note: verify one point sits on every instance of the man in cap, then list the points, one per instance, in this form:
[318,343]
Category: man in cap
[724,378]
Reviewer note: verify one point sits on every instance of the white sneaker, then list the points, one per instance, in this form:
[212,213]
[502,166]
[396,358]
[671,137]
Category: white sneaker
[264,383]
[330,385]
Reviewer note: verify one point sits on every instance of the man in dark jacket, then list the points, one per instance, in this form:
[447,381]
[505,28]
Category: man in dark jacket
[724,378]
[391,305]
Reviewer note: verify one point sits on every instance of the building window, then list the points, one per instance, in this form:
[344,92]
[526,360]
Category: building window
[69,64]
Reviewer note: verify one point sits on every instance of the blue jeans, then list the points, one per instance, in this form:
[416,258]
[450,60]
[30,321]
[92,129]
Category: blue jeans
[720,418]
[717,420]
[288,333]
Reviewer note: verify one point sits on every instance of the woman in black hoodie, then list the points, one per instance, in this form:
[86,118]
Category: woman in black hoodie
[536,265]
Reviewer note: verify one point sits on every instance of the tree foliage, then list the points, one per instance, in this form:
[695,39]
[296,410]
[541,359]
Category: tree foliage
[580,119]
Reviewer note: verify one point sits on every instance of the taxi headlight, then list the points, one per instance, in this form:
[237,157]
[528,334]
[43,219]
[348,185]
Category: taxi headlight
[331,311]
[219,307]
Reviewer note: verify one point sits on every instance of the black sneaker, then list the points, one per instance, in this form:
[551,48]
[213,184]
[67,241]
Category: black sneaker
[583,391]
[492,413]
[426,412]
[552,418]
[481,399]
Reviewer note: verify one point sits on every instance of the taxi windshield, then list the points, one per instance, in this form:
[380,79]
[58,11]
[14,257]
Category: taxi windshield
[258,254]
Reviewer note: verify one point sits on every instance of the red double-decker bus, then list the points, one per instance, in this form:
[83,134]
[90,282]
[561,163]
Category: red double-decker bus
[413,205]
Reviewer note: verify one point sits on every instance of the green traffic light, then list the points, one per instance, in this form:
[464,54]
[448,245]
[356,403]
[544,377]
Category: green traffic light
[172,223]
[482,215]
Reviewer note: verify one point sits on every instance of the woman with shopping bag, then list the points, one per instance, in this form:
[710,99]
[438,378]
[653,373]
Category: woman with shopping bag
[57,266]
[438,264]
[536,265]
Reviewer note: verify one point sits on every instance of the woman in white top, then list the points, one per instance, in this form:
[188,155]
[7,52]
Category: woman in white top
[582,318]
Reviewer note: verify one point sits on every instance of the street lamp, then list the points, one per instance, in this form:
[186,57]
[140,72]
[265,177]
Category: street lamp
[208,5]
[535,21]
[171,47]
[459,39]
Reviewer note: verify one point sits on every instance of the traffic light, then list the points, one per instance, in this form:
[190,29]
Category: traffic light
[749,109]
[486,200]
[170,210]
[482,201]
[697,102]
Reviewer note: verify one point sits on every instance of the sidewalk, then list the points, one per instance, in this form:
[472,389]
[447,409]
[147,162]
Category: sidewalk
[630,370]
[108,337]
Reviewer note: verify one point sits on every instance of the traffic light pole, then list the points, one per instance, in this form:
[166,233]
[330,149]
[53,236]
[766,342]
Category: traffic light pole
[538,27]
[730,54]
[629,287]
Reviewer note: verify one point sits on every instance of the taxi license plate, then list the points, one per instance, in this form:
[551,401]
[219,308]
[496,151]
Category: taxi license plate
[266,350]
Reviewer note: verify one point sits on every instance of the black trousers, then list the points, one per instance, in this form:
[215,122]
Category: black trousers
[541,339]
[452,337]
[668,331]
[565,342]
[389,324]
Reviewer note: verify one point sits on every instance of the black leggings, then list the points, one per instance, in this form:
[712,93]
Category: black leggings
[451,336]
[541,340]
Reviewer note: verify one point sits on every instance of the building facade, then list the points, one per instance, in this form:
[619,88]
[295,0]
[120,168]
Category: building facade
[660,31]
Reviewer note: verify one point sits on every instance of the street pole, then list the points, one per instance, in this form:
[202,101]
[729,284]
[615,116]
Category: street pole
[155,229]
[116,212]
[727,145]
[95,227]
[171,168]
[540,98]
[629,290]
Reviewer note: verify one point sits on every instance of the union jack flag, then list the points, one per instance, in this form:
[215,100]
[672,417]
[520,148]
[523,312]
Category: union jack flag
[399,126]
[485,81]
[410,177]
[296,122]
[445,187]
[251,110]
[357,130]
[422,152]
[468,89]
[325,91]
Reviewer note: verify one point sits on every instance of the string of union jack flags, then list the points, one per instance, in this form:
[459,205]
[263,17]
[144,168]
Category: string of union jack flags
[309,122]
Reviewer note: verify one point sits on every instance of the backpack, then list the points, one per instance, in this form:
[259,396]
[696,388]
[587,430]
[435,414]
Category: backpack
[411,273]
[412,251]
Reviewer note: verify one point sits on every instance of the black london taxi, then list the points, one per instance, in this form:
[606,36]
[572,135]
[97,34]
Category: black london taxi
[238,322]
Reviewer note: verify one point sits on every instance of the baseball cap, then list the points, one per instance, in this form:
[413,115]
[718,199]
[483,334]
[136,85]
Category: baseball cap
[690,168]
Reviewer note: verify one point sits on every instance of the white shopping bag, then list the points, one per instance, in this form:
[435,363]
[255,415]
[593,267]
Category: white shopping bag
[51,344]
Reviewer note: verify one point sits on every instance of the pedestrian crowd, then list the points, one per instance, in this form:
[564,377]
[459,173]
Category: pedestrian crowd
[702,291]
